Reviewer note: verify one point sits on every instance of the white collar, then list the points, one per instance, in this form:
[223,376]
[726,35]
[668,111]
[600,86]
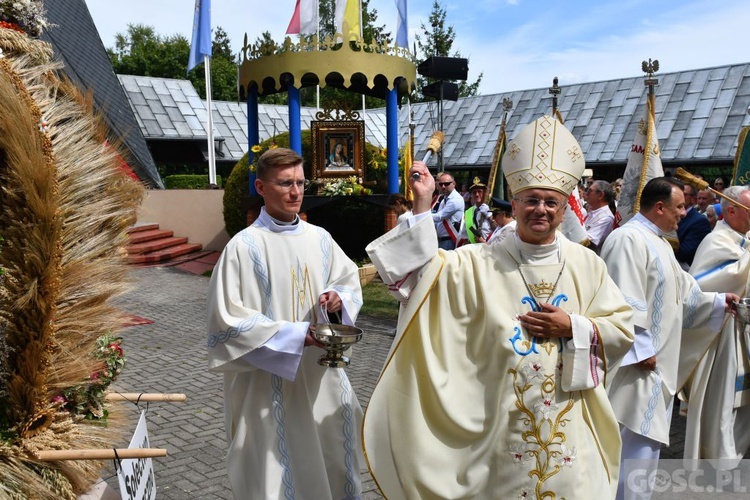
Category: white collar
[532,252]
[642,220]
[276,226]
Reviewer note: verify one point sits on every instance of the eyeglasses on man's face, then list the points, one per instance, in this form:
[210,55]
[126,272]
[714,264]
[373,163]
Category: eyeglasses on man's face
[286,185]
[445,184]
[535,202]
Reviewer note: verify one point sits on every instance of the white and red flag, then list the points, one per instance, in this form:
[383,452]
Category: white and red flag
[305,18]
[644,163]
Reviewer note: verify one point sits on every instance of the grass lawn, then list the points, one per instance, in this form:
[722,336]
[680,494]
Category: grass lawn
[378,302]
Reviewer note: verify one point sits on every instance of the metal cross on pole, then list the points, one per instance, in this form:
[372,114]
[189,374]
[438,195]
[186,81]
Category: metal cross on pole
[555,91]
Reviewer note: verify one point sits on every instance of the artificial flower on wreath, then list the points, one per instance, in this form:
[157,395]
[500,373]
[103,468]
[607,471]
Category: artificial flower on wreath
[347,186]
[86,400]
[27,16]
[257,151]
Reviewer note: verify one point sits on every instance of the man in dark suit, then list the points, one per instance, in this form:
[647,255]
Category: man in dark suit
[691,229]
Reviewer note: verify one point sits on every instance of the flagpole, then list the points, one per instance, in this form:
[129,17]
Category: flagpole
[210,125]
[317,47]
[361,36]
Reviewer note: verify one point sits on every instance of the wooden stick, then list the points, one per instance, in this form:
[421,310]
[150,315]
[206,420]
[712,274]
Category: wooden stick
[137,396]
[700,184]
[100,454]
[436,142]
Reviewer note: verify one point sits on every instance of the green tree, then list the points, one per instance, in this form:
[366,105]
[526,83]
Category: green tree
[269,47]
[141,51]
[223,70]
[437,40]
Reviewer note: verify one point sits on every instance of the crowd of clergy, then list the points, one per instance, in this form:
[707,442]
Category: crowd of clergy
[524,365]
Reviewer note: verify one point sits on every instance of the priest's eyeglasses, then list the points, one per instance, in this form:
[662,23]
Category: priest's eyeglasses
[535,202]
[287,184]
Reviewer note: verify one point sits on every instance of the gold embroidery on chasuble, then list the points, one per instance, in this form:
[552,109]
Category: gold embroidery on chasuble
[539,442]
[542,418]
[301,293]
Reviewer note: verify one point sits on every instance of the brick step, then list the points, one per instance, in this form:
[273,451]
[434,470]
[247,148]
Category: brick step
[142,227]
[195,263]
[149,235]
[165,254]
[154,245]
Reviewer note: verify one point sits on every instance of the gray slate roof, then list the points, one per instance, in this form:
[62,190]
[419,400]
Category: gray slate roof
[171,109]
[699,114]
[76,42]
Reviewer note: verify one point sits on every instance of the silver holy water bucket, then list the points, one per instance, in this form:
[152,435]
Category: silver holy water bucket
[743,311]
[742,319]
[336,339]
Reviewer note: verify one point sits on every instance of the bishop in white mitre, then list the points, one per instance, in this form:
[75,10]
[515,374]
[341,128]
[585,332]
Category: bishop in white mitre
[494,386]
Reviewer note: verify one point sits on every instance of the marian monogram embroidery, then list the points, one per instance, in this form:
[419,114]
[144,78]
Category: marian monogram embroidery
[525,347]
[301,291]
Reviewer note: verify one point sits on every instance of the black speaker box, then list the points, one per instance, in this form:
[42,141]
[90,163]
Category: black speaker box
[450,91]
[444,68]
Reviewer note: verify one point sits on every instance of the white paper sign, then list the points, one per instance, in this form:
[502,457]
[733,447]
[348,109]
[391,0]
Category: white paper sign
[136,476]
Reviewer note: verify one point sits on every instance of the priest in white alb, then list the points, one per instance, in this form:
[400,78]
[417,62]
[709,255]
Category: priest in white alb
[494,386]
[718,419]
[292,425]
[666,300]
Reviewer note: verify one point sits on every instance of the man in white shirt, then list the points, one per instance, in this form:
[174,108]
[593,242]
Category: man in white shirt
[599,219]
[502,212]
[447,212]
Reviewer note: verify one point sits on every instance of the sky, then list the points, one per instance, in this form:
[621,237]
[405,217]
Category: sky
[514,44]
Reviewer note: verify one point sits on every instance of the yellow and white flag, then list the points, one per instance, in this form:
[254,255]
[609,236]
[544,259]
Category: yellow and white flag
[644,163]
[348,13]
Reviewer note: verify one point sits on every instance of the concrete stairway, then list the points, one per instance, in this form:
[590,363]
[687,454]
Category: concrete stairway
[150,246]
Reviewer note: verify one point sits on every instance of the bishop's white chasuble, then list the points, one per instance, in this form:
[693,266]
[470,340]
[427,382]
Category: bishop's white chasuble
[718,420]
[468,404]
[292,425]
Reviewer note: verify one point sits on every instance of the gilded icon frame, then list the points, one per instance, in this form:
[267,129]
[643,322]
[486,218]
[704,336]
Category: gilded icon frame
[338,149]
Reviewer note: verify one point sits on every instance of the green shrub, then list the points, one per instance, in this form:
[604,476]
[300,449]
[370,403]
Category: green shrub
[236,188]
[188,181]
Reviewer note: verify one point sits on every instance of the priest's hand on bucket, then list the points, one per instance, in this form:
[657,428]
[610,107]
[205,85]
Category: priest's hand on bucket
[731,300]
[310,340]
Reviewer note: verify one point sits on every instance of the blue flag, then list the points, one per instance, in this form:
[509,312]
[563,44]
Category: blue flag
[402,32]
[200,45]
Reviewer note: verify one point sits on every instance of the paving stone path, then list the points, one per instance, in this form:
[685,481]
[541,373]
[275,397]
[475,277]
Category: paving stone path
[169,355]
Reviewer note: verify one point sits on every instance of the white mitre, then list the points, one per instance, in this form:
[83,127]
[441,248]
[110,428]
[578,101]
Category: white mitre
[543,155]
